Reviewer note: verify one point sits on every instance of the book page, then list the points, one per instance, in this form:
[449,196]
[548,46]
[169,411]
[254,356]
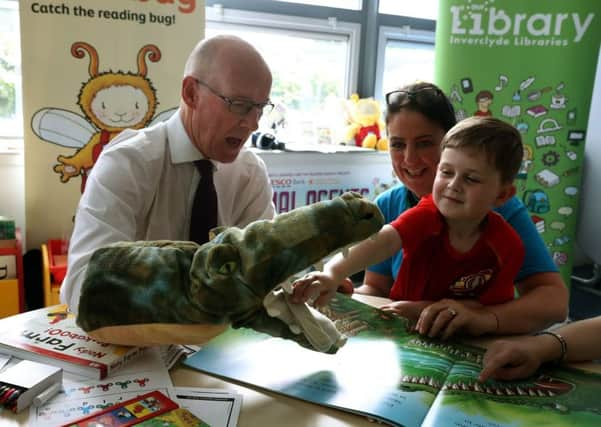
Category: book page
[389,374]
[382,371]
[173,353]
[81,396]
[218,408]
[553,397]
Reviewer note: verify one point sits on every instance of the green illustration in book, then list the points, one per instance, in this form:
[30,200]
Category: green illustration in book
[533,65]
[389,373]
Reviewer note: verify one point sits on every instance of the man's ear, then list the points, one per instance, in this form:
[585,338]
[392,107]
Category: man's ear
[189,91]
[506,192]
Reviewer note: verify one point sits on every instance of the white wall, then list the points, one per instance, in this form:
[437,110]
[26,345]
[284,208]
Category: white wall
[588,240]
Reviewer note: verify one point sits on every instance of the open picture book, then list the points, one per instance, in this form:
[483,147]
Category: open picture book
[390,374]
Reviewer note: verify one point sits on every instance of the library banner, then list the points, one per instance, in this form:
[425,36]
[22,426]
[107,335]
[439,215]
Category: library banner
[531,63]
[91,69]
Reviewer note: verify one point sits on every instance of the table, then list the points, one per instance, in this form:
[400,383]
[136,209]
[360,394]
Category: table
[264,408]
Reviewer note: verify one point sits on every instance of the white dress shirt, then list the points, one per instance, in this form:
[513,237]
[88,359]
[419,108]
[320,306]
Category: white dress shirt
[142,188]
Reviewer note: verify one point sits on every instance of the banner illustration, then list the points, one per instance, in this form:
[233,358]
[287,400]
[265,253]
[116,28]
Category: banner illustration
[110,101]
[533,65]
[91,69]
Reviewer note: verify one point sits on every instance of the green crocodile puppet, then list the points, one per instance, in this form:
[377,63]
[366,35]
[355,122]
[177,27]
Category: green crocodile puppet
[236,278]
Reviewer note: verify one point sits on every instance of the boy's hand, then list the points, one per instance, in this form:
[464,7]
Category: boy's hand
[409,309]
[317,288]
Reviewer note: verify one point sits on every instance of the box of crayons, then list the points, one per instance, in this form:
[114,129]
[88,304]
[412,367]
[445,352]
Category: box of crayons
[29,382]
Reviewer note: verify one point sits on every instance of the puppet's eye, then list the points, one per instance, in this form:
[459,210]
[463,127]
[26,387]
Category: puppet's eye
[227,268]
[216,260]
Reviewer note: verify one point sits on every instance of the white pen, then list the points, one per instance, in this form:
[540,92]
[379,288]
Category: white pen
[47,394]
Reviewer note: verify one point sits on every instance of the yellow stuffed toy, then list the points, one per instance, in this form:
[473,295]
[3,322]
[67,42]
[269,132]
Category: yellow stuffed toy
[365,126]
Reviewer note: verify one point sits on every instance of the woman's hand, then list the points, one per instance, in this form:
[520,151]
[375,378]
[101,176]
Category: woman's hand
[408,309]
[508,360]
[447,317]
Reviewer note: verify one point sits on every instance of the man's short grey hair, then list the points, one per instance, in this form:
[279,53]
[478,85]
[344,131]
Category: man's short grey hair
[204,54]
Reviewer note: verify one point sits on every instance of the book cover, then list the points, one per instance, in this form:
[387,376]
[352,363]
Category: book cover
[50,335]
[390,374]
[537,111]
[131,412]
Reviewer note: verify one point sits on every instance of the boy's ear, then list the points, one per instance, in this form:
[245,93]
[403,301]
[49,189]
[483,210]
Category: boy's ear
[506,192]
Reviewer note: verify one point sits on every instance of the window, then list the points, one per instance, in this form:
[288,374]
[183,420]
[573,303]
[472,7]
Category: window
[11,115]
[426,9]
[313,62]
[404,56]
[341,4]
[312,46]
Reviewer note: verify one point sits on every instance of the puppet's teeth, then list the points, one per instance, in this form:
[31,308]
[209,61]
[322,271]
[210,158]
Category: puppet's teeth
[319,265]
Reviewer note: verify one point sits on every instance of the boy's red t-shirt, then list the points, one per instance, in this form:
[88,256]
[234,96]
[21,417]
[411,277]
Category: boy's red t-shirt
[432,269]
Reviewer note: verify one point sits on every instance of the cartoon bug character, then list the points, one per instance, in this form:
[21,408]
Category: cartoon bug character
[110,102]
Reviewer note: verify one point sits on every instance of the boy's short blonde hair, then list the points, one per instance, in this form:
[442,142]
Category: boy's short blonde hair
[500,141]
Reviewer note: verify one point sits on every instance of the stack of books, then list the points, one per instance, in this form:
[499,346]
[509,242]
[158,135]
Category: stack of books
[50,335]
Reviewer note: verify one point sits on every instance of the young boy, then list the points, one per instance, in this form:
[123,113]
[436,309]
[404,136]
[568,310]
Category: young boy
[454,245]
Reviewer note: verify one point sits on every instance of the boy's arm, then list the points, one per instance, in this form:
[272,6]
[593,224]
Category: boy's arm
[321,287]
[370,251]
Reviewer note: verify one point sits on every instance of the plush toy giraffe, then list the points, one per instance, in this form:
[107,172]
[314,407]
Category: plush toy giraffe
[133,288]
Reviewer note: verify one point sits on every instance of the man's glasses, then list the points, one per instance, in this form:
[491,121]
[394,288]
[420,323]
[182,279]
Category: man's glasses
[397,99]
[240,106]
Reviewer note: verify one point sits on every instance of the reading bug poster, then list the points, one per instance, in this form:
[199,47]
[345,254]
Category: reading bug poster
[531,63]
[91,69]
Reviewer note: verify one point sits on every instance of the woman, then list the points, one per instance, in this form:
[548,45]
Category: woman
[417,117]
[521,357]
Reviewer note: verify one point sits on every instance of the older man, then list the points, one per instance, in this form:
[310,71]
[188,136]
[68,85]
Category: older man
[144,185]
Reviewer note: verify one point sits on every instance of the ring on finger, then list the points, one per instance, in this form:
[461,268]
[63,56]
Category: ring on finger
[452,311]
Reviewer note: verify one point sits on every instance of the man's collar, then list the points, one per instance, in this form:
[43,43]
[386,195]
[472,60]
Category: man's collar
[180,145]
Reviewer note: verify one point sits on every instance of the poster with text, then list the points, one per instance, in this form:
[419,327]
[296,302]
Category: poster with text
[90,70]
[305,178]
[532,64]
